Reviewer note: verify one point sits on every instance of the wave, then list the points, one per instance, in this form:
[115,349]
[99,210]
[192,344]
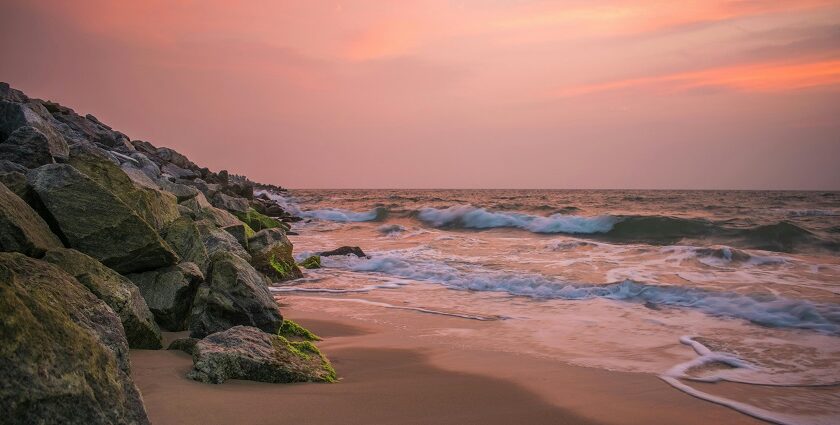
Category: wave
[656,230]
[762,309]
[470,217]
[345,216]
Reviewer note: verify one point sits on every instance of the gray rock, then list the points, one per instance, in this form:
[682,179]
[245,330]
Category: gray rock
[181,191]
[345,250]
[117,291]
[230,203]
[244,352]
[22,229]
[185,239]
[64,357]
[27,146]
[241,232]
[186,345]
[177,172]
[93,220]
[217,240]
[233,293]
[169,293]
[15,115]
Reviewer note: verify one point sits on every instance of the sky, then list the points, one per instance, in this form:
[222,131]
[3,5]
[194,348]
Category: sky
[690,94]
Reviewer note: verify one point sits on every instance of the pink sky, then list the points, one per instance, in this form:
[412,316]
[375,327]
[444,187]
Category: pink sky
[451,94]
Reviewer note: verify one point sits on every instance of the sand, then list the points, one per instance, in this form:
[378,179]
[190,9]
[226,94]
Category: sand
[417,384]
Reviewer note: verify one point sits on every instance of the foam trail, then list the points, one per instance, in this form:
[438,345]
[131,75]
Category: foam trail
[417,309]
[765,309]
[328,214]
[470,217]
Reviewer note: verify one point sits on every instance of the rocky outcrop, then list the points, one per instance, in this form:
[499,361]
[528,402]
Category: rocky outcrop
[93,220]
[64,357]
[233,293]
[169,293]
[156,207]
[21,228]
[345,250]
[115,290]
[247,353]
[271,253]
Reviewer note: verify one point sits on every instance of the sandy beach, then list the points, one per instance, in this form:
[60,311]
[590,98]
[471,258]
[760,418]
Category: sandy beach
[389,375]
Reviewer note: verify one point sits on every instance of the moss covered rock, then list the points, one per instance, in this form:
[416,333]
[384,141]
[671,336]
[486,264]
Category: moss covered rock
[93,220]
[241,232]
[185,239]
[64,356]
[21,228]
[271,253]
[233,293]
[169,293]
[311,262]
[218,240]
[244,352]
[156,207]
[259,221]
[117,291]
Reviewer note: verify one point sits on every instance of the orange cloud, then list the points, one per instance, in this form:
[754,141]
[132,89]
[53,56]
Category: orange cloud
[765,77]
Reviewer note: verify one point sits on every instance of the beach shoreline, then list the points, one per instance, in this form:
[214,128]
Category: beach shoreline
[388,378]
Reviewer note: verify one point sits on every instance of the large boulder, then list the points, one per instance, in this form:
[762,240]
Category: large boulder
[156,207]
[230,203]
[345,250]
[218,240]
[169,293]
[93,220]
[21,228]
[244,352]
[64,357]
[117,291]
[233,293]
[271,253]
[185,239]
[14,115]
[29,147]
[259,221]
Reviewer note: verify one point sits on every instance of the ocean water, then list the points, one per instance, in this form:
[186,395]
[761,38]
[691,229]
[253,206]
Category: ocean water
[697,287]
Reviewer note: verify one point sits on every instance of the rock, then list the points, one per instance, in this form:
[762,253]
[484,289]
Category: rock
[173,157]
[218,216]
[230,203]
[186,345]
[184,238]
[197,204]
[15,115]
[244,352]
[64,357]
[177,172]
[311,262]
[346,250]
[139,178]
[181,191]
[145,147]
[241,232]
[233,293]
[271,253]
[27,146]
[93,220]
[118,292]
[259,221]
[22,229]
[13,175]
[169,293]
[156,207]
[217,240]
[146,165]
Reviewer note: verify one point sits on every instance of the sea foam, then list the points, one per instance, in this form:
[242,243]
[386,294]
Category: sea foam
[470,217]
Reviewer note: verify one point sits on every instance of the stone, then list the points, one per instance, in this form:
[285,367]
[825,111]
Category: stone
[156,207]
[181,191]
[241,232]
[14,115]
[93,220]
[177,172]
[27,146]
[233,293]
[244,352]
[22,229]
[271,253]
[230,203]
[185,239]
[186,345]
[64,357]
[346,250]
[169,293]
[217,240]
[115,290]
[259,221]
[311,262]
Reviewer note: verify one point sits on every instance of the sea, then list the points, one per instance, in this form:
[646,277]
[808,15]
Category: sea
[737,288]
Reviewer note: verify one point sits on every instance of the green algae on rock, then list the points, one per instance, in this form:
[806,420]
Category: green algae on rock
[311,262]
[64,357]
[93,220]
[271,253]
[244,352]
[291,329]
[21,228]
[115,290]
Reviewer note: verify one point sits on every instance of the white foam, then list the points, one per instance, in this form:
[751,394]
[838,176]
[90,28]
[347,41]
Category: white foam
[470,217]
[341,216]
[417,309]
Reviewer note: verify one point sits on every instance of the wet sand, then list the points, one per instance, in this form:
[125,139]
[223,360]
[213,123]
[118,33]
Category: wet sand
[415,384]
